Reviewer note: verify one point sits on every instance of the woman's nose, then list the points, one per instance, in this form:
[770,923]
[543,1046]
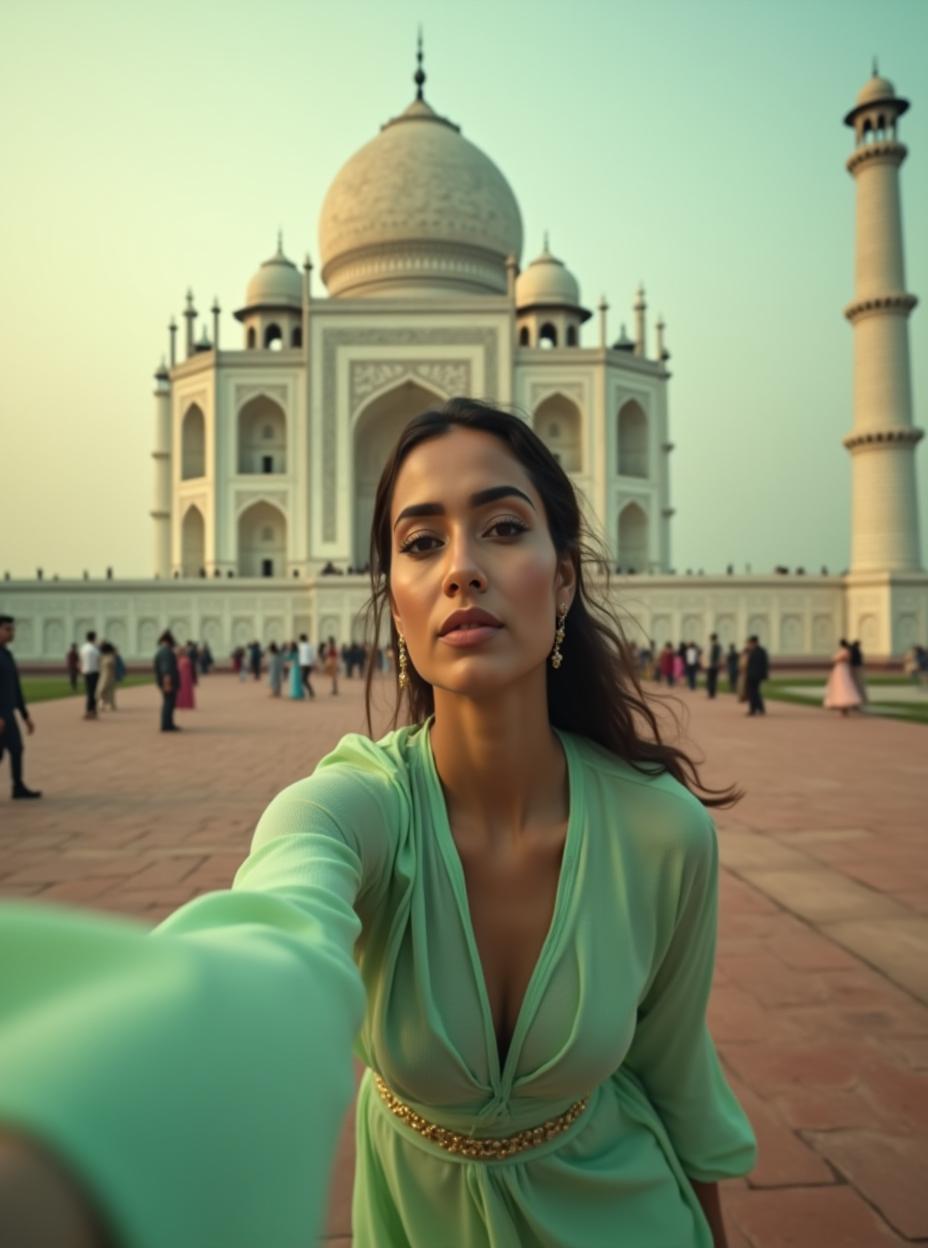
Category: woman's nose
[463,571]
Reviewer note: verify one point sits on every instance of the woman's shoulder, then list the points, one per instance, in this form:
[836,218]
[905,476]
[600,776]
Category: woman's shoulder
[359,776]
[360,787]
[653,805]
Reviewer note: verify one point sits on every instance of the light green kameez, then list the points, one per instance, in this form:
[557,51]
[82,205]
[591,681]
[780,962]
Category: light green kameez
[195,1076]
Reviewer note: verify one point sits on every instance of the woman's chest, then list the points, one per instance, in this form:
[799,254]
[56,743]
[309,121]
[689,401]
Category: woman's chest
[511,898]
[508,965]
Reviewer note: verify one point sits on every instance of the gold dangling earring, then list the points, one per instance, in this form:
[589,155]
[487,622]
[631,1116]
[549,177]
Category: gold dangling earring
[404,661]
[556,657]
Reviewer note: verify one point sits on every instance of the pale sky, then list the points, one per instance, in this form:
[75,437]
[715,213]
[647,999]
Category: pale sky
[697,147]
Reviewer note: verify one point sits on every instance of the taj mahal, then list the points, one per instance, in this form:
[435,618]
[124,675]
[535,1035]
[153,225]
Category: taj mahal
[267,451]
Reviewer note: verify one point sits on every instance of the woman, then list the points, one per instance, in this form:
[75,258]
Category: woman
[666,664]
[679,663]
[186,700]
[296,674]
[275,669]
[534,885]
[741,687]
[842,693]
[330,663]
[106,688]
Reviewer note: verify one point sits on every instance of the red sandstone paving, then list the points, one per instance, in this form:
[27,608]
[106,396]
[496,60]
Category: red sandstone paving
[819,1005]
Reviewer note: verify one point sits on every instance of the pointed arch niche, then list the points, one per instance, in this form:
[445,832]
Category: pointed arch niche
[192,444]
[262,540]
[633,538]
[633,440]
[558,423]
[192,542]
[262,436]
[375,434]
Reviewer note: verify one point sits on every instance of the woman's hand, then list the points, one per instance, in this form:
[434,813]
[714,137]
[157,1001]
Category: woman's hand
[40,1202]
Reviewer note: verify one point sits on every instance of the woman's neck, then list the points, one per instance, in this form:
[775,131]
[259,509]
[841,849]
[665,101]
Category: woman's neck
[499,761]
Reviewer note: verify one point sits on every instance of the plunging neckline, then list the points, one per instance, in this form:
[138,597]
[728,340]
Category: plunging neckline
[502,1071]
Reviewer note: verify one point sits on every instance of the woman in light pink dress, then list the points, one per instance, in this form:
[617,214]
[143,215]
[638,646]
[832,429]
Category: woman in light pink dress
[841,692]
[185,700]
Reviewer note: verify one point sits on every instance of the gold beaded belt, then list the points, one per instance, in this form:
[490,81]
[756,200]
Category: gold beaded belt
[482,1149]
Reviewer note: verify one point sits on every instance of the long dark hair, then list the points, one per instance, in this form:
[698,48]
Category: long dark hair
[596,693]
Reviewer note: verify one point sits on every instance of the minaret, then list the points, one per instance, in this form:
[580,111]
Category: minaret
[161,512]
[885,535]
[641,344]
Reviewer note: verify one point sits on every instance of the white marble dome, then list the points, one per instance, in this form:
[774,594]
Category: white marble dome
[547,281]
[876,88]
[276,284]
[418,210]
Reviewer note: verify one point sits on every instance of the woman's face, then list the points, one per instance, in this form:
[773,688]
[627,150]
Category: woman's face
[469,532]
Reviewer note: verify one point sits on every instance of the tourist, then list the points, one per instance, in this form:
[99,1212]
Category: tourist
[254,659]
[857,670]
[307,653]
[732,662]
[193,654]
[90,670]
[666,664]
[167,678]
[330,665]
[610,1118]
[691,660]
[11,702]
[206,659]
[841,691]
[186,700]
[72,662]
[106,689]
[275,669]
[679,663]
[296,674]
[713,663]
[120,665]
[238,662]
[757,670]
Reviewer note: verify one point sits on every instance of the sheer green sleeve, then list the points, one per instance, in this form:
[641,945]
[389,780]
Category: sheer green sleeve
[194,1078]
[672,1052]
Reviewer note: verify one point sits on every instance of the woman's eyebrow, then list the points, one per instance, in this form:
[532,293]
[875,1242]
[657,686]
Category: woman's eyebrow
[480,499]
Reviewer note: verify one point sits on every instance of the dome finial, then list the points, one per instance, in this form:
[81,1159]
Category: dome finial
[547,243]
[419,76]
[280,242]
[876,70]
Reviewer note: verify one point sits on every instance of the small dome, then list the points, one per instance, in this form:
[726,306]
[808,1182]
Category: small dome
[276,284]
[547,281]
[419,207]
[876,88]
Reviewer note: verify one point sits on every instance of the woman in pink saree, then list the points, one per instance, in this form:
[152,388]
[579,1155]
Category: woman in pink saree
[185,699]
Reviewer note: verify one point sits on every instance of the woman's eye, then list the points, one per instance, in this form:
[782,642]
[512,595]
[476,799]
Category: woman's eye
[415,545]
[512,527]
[509,527]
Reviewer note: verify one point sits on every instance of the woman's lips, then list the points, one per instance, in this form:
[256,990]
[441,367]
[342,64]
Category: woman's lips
[469,635]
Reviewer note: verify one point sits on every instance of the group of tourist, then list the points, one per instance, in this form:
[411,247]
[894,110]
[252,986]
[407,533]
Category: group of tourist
[101,667]
[746,669]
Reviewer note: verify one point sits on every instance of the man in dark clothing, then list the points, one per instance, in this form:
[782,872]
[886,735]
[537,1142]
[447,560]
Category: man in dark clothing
[757,672]
[713,663]
[254,653]
[167,678]
[11,701]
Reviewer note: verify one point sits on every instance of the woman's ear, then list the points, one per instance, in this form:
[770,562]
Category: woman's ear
[566,581]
